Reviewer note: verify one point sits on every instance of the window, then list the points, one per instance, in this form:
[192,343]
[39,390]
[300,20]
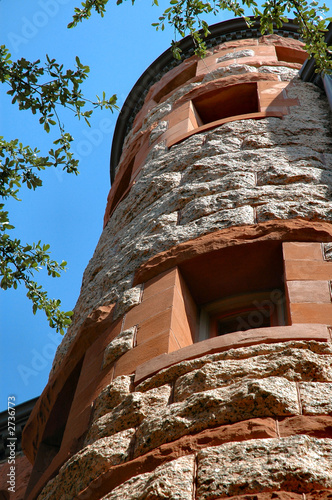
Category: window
[242,312]
[235,100]
[187,74]
[54,430]
[290,55]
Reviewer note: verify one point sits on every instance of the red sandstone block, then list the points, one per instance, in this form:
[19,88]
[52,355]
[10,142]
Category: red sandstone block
[161,282]
[289,54]
[311,313]
[174,78]
[174,344]
[203,65]
[318,426]
[149,308]
[181,129]
[140,156]
[194,116]
[153,326]
[182,318]
[179,114]
[309,291]
[106,377]
[265,50]
[267,85]
[234,44]
[303,270]
[302,251]
[275,109]
[128,363]
[76,426]
[181,330]
[23,470]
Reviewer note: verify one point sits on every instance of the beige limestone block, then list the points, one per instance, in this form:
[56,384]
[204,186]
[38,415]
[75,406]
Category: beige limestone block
[172,481]
[285,74]
[293,364]
[213,218]
[243,353]
[127,300]
[273,396]
[316,398]
[297,463]
[317,210]
[237,54]
[327,251]
[112,395]
[119,345]
[232,69]
[130,412]
[86,465]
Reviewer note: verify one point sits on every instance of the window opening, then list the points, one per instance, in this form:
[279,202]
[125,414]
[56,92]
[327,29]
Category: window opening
[123,185]
[55,427]
[242,313]
[176,82]
[287,54]
[235,100]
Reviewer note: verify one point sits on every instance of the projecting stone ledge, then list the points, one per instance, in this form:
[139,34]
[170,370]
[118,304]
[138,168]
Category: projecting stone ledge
[299,463]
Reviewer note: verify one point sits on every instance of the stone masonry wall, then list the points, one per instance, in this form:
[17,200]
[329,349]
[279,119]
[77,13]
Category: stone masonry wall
[247,421]
[243,172]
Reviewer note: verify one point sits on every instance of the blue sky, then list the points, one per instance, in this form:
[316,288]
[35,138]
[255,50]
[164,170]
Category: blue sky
[67,211]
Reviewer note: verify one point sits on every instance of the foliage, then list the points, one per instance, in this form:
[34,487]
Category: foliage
[187,17]
[41,89]
[44,89]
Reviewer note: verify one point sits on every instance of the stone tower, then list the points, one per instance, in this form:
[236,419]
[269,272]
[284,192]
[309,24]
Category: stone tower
[199,364]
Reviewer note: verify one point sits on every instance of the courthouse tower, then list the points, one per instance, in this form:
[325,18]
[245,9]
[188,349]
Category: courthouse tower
[198,365]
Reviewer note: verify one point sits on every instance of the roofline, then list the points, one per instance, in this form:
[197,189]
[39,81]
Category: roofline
[308,70]
[234,29]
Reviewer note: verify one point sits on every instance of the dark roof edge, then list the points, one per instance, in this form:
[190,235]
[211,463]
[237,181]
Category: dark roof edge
[308,70]
[22,412]
[219,33]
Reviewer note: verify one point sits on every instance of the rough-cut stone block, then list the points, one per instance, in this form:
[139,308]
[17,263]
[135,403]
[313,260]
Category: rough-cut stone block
[328,251]
[214,219]
[246,399]
[293,364]
[82,468]
[236,55]
[172,481]
[316,398]
[290,209]
[285,74]
[130,412]
[175,371]
[299,463]
[127,300]
[112,395]
[232,69]
[118,346]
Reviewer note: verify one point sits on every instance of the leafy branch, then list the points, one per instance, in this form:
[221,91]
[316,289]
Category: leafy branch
[43,90]
[187,17]
[18,263]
